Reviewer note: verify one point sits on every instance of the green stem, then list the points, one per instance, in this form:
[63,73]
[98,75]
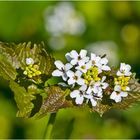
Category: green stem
[49,127]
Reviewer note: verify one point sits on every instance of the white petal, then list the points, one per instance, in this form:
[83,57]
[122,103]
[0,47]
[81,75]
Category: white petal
[85,59]
[127,88]
[95,89]
[128,74]
[74,61]
[83,88]
[74,94]
[59,64]
[57,73]
[64,77]
[123,94]
[104,85]
[78,68]
[99,70]
[128,67]
[83,53]
[74,54]
[93,56]
[71,81]
[70,73]
[88,65]
[93,102]
[118,99]
[97,59]
[119,73]
[113,95]
[89,90]
[80,81]
[104,61]
[68,66]
[103,78]
[122,66]
[78,73]
[117,88]
[99,94]
[68,57]
[79,100]
[106,68]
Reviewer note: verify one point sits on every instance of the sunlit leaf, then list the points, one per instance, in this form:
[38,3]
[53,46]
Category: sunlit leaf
[39,55]
[6,69]
[23,100]
[16,55]
[55,100]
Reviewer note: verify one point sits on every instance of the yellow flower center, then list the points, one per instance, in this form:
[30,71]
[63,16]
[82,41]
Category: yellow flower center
[122,81]
[31,71]
[91,75]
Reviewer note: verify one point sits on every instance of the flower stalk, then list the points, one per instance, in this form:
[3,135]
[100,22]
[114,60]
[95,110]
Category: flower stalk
[48,130]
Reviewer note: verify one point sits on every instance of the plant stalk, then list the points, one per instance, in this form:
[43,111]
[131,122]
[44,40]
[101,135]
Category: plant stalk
[49,127]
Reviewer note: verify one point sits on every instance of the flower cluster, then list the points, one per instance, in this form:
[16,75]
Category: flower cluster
[88,77]
[31,69]
[121,83]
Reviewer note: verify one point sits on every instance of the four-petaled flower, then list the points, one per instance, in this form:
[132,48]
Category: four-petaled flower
[62,70]
[117,94]
[124,70]
[79,94]
[97,87]
[74,58]
[92,99]
[101,63]
[75,78]
[83,67]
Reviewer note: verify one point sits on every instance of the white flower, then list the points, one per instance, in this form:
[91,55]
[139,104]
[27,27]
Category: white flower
[124,70]
[117,94]
[83,67]
[101,63]
[92,99]
[97,87]
[29,61]
[75,78]
[95,59]
[62,69]
[74,58]
[78,94]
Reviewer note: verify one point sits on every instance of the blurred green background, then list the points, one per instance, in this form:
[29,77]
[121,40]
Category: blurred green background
[111,28]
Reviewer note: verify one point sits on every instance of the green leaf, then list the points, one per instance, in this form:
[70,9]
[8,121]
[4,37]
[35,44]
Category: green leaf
[56,99]
[39,55]
[7,62]
[52,81]
[13,63]
[13,57]
[23,100]
[6,69]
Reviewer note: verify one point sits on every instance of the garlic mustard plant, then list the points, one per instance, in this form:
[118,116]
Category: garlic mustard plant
[43,85]
[89,78]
